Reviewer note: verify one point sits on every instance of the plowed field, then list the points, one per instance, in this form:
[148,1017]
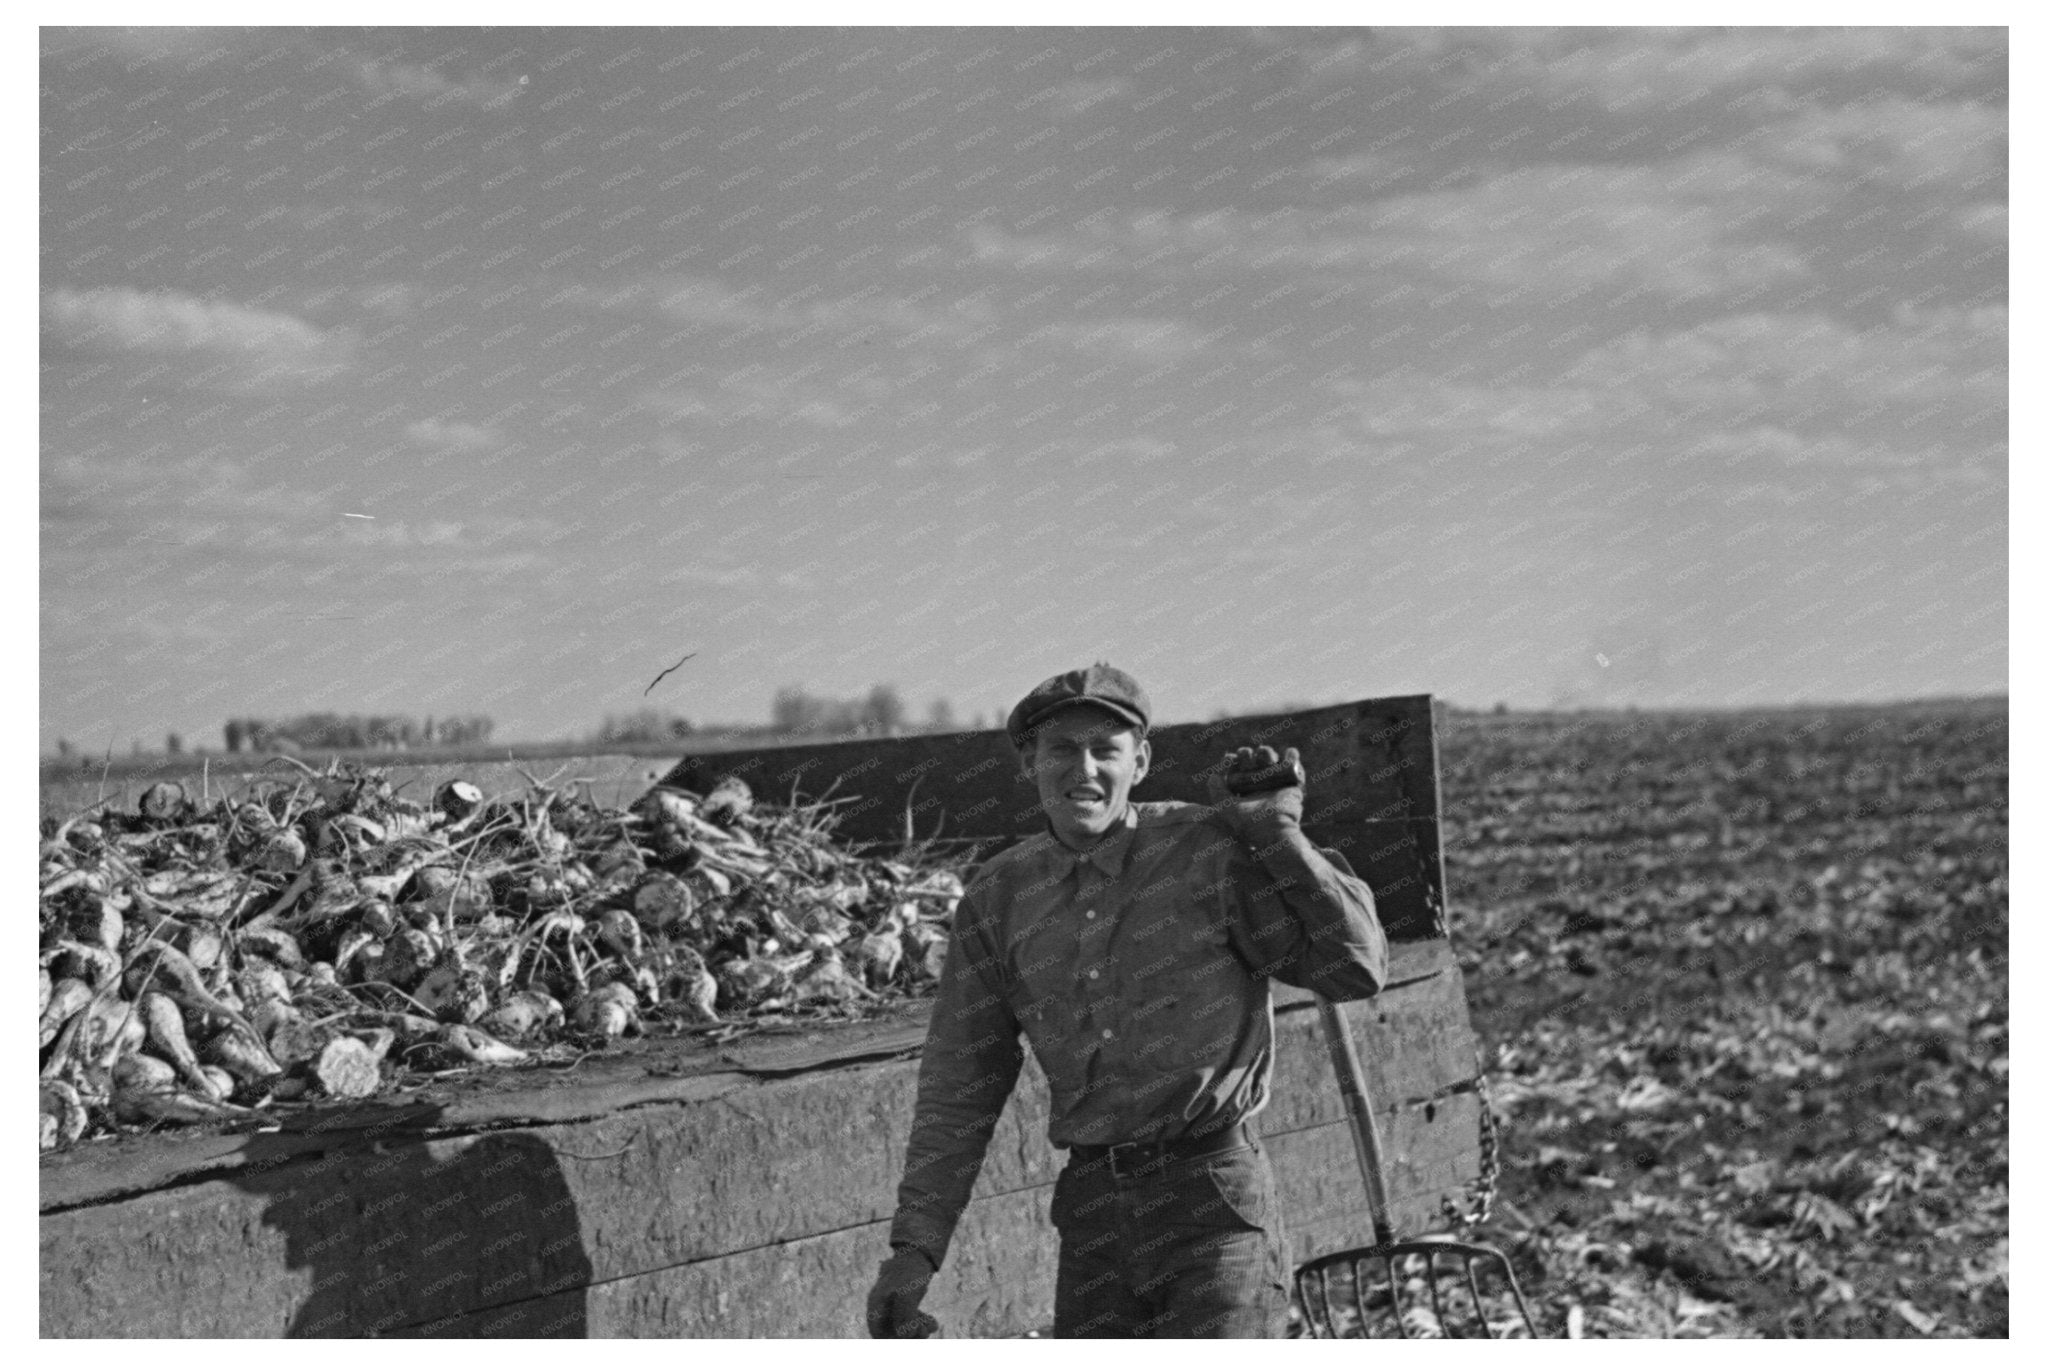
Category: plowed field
[1742,980]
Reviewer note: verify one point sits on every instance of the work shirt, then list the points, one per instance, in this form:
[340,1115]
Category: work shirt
[1138,972]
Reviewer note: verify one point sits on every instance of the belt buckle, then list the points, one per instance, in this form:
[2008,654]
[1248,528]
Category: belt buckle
[1141,1151]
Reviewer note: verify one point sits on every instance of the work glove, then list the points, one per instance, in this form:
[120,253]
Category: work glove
[1260,792]
[899,1289]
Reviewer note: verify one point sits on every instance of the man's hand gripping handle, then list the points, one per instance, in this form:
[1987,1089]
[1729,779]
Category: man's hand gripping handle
[1262,791]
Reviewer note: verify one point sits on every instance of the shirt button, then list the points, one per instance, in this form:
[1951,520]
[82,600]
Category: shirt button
[1108,1034]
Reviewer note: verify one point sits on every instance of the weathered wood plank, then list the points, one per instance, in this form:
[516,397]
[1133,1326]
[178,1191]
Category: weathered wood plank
[1371,791]
[997,1282]
[344,1241]
[1323,1191]
[153,1161]
[1414,1042]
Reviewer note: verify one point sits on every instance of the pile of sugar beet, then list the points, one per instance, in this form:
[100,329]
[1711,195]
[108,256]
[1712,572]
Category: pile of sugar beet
[320,937]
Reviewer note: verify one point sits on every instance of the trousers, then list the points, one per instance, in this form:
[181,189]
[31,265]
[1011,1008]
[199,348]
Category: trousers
[1175,1247]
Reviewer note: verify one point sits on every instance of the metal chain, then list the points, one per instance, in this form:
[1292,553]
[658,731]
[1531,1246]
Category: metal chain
[1479,1203]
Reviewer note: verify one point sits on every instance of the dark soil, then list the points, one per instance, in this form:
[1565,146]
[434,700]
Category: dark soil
[1742,982]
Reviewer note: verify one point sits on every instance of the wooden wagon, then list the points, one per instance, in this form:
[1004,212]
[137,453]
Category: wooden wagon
[745,1190]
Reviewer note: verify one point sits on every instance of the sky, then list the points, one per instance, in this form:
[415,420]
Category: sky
[453,371]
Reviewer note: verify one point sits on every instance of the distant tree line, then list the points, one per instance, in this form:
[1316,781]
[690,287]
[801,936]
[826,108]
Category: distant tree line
[645,726]
[796,711]
[326,730]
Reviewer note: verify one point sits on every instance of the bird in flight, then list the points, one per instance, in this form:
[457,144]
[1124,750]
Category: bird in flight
[670,669]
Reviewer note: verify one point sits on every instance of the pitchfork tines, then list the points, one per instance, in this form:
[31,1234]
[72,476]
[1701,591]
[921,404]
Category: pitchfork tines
[1337,1295]
[1340,1296]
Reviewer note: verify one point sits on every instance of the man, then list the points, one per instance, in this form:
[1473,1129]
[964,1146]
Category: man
[1131,944]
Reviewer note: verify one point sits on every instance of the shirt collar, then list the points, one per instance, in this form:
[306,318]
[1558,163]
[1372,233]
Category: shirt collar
[1110,853]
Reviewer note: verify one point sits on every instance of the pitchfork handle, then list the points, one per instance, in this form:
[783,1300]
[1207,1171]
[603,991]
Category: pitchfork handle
[1275,777]
[1358,1108]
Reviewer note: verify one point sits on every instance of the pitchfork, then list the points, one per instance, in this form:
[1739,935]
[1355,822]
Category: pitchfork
[1332,1289]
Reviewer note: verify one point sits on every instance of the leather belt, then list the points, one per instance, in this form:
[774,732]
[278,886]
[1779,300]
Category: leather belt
[1126,1157]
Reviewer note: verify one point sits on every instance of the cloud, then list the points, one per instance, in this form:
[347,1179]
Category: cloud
[769,399]
[1624,71]
[710,575]
[788,395]
[257,346]
[194,48]
[1764,445]
[429,86]
[1134,450]
[696,299]
[1155,341]
[391,299]
[1548,229]
[703,300]
[1072,97]
[1408,410]
[77,493]
[402,534]
[912,316]
[1369,168]
[438,434]
[1630,71]
[759,393]
[722,570]
[1982,222]
[1897,143]
[472,545]
[1666,230]
[1789,401]
[1926,364]
[112,507]
[150,46]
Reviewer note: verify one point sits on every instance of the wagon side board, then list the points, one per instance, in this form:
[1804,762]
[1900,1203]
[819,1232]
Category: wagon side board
[759,1208]
[1372,788]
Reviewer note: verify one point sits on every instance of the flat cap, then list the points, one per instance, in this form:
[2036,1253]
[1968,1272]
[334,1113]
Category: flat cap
[1098,685]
